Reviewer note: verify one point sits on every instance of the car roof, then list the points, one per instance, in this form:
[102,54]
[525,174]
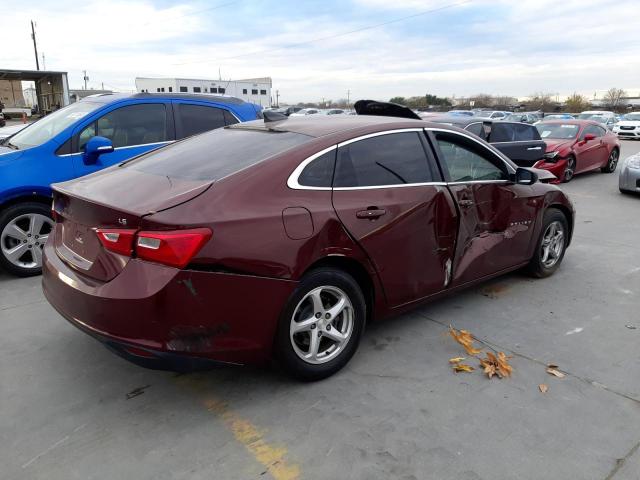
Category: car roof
[572,121]
[111,97]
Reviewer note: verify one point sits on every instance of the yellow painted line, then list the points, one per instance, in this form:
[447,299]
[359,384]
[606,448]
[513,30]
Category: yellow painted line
[272,457]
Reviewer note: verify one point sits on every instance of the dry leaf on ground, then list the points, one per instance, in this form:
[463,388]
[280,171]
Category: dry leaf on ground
[543,388]
[496,365]
[464,338]
[553,370]
[461,367]
[456,359]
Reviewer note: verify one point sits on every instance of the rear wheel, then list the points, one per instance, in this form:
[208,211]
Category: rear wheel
[612,162]
[24,229]
[320,327]
[551,244]
[570,169]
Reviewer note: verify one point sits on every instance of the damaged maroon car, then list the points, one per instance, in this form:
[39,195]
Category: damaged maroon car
[284,238]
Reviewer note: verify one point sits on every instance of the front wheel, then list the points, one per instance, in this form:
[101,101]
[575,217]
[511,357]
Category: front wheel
[24,229]
[551,244]
[321,324]
[612,162]
[569,170]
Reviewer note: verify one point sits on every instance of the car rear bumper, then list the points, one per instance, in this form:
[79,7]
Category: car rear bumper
[162,317]
[630,180]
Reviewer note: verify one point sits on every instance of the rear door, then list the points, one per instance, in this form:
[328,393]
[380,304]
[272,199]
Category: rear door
[394,204]
[518,141]
[193,118]
[496,215]
[133,129]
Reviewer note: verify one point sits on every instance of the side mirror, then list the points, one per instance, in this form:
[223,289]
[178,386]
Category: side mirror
[524,176]
[588,137]
[95,147]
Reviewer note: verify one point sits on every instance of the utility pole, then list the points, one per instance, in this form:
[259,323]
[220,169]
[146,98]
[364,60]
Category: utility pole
[102,85]
[348,98]
[44,65]
[85,79]
[278,98]
[35,49]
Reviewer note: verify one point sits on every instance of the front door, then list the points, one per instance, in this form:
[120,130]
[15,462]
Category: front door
[385,195]
[518,141]
[588,152]
[133,129]
[496,216]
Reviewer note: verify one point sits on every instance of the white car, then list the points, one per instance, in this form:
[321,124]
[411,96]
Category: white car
[306,111]
[491,114]
[629,126]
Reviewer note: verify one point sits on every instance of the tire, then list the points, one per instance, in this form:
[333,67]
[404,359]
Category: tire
[540,265]
[569,170]
[28,217]
[612,162]
[324,286]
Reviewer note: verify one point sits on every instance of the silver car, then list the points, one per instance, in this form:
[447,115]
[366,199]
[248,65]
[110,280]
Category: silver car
[630,174]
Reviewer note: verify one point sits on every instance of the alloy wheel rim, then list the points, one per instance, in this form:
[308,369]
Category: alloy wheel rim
[552,244]
[568,171]
[321,325]
[23,239]
[613,160]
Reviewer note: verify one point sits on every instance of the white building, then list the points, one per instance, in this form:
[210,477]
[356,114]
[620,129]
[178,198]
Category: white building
[254,90]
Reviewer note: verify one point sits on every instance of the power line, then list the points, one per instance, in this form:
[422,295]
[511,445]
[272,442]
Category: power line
[215,7]
[328,37]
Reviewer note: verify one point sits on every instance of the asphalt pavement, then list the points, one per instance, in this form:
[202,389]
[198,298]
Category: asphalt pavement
[69,409]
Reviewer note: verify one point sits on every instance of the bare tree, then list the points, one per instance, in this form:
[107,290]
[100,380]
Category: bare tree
[541,101]
[482,100]
[613,98]
[577,103]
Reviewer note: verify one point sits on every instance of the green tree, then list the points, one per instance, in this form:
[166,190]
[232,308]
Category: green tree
[399,100]
[576,103]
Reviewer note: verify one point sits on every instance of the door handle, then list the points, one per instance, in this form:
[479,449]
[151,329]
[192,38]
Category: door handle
[371,213]
[465,203]
[534,148]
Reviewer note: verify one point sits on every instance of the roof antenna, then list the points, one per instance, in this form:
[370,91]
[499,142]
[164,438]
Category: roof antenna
[271,116]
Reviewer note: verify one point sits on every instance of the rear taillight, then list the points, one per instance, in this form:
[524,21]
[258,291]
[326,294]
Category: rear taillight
[117,240]
[175,248]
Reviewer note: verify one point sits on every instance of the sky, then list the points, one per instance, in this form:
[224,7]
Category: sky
[316,50]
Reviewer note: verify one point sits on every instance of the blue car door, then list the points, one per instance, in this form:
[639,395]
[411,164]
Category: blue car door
[134,128]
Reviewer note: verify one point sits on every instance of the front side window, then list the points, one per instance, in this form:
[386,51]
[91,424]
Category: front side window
[593,130]
[194,119]
[392,159]
[502,132]
[131,125]
[319,173]
[467,162]
[524,133]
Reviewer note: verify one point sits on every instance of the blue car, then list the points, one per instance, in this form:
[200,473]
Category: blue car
[84,137]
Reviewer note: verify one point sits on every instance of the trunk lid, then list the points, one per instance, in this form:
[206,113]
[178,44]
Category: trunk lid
[118,200]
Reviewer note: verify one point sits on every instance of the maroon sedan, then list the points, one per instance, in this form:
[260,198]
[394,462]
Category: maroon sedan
[284,238]
[577,146]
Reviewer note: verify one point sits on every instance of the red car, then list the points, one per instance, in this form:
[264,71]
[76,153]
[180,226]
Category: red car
[576,146]
[285,238]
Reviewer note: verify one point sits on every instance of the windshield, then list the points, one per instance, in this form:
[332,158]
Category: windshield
[557,130]
[634,117]
[48,127]
[598,118]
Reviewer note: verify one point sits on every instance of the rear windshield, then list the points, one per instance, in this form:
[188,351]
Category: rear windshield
[216,154]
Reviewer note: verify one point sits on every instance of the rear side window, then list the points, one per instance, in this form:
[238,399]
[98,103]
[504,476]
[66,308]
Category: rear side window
[216,154]
[392,159]
[194,119]
[502,132]
[319,173]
